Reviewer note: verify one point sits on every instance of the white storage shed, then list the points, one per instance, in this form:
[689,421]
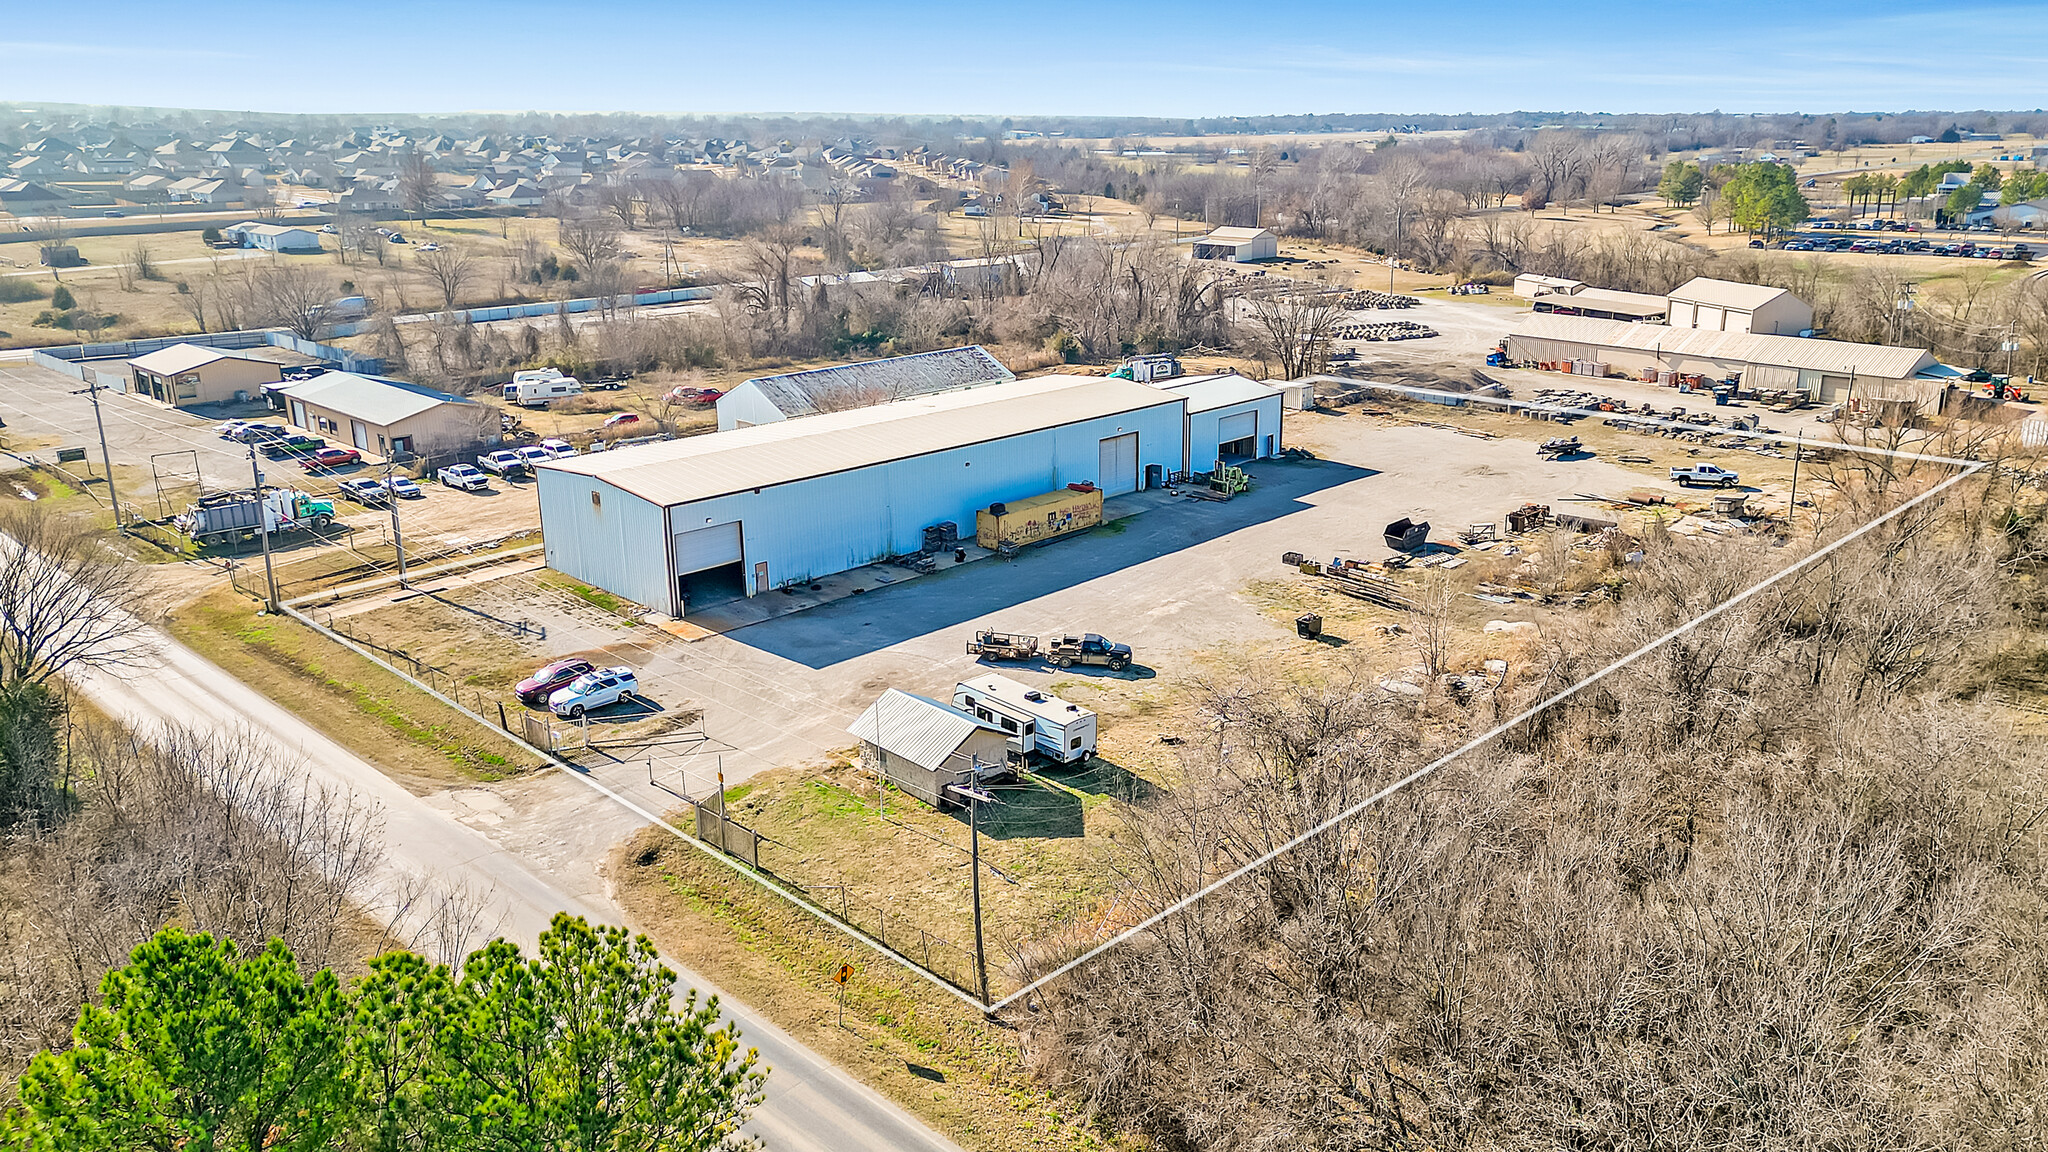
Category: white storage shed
[694,521]
[923,746]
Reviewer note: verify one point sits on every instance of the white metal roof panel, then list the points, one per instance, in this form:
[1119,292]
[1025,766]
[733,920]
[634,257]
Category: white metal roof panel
[920,730]
[1726,293]
[1208,393]
[721,463]
[1833,356]
[182,358]
[371,399]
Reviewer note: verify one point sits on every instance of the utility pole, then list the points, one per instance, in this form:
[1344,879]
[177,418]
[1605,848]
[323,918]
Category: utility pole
[397,541]
[263,530]
[92,390]
[974,795]
[1792,505]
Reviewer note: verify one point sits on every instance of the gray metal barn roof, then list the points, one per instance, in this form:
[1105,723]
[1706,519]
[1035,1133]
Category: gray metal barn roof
[1727,293]
[371,399]
[722,463]
[916,728]
[845,386]
[1839,357]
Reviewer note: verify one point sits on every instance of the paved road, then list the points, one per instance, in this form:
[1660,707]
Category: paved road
[811,1106]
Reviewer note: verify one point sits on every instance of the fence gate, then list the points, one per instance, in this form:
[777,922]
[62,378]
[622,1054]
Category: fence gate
[539,732]
[727,836]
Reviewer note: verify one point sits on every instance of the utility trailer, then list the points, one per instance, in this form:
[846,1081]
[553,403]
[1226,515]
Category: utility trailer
[1003,646]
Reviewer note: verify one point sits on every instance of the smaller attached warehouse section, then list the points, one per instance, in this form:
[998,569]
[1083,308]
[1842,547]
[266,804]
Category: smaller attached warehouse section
[1229,419]
[768,399]
[184,375]
[1729,306]
[924,747]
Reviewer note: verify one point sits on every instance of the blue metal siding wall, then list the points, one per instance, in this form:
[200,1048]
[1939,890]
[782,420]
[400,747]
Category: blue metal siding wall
[816,527]
[619,545]
[1203,426]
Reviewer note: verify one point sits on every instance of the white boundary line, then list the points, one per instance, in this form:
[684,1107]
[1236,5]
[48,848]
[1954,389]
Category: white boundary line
[1969,468]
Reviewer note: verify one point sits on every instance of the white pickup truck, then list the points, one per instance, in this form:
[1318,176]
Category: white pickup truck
[1709,474]
[463,476]
[504,462]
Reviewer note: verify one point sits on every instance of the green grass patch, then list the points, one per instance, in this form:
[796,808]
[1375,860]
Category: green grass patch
[411,735]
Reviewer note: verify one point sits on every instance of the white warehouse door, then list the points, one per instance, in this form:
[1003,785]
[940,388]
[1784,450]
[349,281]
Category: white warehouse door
[707,548]
[1233,428]
[1119,472]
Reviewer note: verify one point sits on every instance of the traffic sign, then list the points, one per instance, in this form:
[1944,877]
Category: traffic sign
[844,974]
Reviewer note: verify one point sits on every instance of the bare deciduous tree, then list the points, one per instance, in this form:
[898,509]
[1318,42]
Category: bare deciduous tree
[66,601]
[451,268]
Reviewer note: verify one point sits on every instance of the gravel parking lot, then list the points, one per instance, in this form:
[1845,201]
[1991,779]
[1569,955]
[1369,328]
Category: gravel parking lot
[42,414]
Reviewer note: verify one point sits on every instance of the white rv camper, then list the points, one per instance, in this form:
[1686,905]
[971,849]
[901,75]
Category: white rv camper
[1035,721]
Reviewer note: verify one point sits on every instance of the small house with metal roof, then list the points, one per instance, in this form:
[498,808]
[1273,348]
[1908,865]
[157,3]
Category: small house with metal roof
[924,747]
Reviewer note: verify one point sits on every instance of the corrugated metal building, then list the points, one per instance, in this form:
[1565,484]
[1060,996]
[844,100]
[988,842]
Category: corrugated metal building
[390,418]
[769,399]
[1731,306]
[1829,370]
[1229,418]
[921,746]
[1604,304]
[705,518]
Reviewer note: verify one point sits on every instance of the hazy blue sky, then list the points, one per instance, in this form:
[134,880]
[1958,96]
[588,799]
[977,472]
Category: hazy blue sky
[1190,58]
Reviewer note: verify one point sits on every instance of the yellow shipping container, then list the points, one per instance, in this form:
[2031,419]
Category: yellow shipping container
[1039,518]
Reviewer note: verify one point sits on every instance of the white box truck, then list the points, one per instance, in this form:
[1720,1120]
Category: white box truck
[1037,722]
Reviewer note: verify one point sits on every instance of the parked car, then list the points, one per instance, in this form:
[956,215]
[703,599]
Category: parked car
[327,459]
[504,462]
[535,689]
[593,690]
[463,476]
[366,490]
[558,449]
[533,456]
[621,420]
[430,246]
[227,431]
[257,433]
[404,486]
[396,238]
[297,445]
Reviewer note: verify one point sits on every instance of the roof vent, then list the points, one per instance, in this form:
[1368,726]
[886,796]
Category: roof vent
[1034,696]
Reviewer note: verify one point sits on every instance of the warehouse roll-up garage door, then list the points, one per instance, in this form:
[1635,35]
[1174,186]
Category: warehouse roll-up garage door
[1237,435]
[707,548]
[1119,472]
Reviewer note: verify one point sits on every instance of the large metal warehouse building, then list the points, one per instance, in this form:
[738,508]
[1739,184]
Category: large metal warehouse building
[1828,370]
[698,519]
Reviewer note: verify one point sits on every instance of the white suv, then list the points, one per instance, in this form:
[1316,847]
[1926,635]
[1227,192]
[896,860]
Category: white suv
[593,690]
